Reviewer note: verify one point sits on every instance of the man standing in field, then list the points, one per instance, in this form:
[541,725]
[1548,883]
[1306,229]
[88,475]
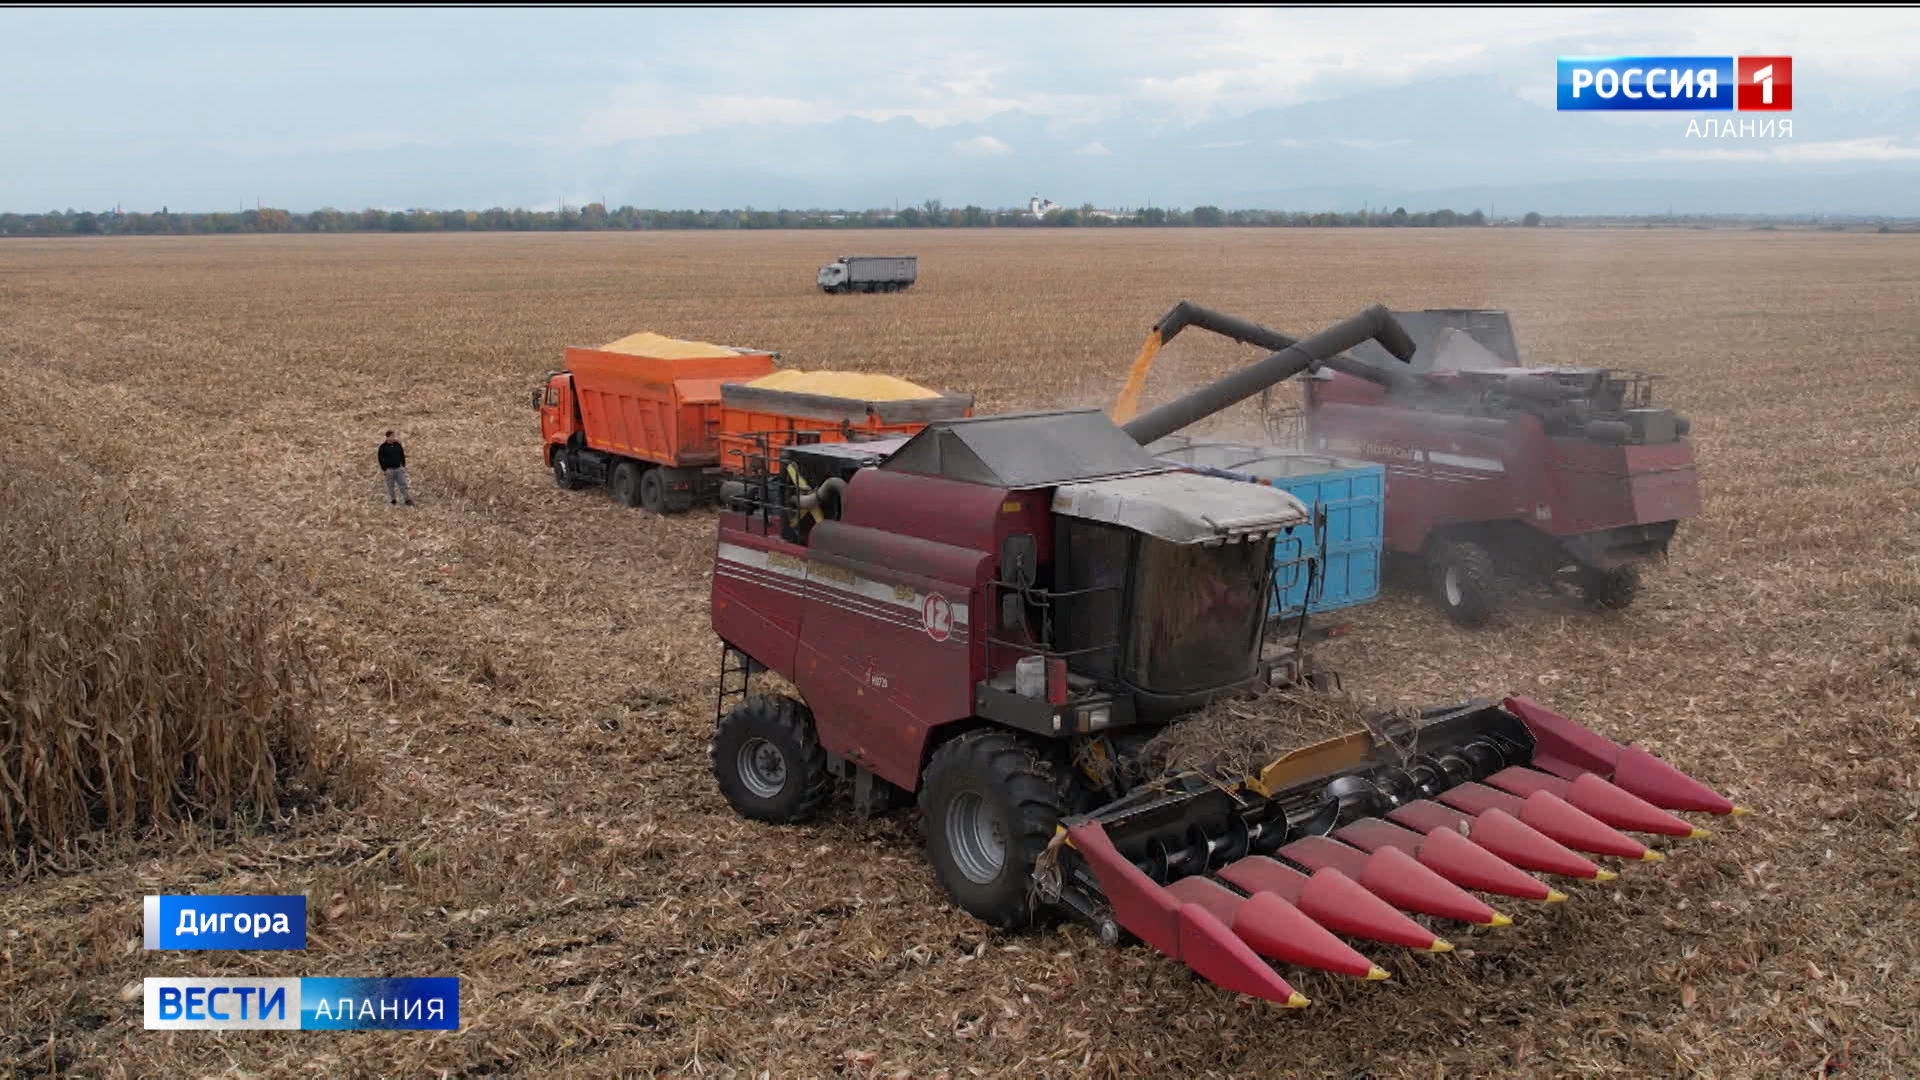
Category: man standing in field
[393,463]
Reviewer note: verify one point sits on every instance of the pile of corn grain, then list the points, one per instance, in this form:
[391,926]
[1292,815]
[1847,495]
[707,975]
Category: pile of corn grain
[844,384]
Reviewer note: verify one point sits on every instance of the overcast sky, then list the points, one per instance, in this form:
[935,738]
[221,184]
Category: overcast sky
[215,109]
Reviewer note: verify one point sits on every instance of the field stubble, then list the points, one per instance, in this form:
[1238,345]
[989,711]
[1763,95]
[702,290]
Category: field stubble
[530,675]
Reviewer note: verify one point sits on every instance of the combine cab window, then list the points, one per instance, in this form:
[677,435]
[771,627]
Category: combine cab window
[1097,564]
[1197,614]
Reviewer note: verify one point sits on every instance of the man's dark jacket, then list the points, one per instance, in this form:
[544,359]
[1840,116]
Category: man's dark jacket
[392,455]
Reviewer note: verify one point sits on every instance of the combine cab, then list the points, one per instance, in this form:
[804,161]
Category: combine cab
[1494,470]
[995,615]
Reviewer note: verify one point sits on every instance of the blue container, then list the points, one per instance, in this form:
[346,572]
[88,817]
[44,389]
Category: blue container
[1349,494]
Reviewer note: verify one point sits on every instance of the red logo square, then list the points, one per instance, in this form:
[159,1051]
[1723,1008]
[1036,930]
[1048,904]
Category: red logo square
[1765,83]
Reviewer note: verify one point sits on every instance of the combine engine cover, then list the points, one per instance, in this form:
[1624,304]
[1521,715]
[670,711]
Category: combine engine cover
[1579,457]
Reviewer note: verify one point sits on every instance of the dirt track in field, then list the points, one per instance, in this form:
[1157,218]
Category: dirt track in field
[530,675]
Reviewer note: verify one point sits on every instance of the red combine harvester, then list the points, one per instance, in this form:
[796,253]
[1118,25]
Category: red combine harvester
[997,614]
[1493,469]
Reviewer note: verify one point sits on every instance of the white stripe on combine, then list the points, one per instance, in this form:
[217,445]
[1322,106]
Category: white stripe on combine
[1466,461]
[864,588]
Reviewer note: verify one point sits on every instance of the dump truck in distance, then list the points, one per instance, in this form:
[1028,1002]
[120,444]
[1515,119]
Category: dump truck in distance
[869,273]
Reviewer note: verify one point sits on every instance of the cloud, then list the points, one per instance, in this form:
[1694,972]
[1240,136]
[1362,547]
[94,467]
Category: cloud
[1095,148]
[1879,148]
[643,111]
[982,146]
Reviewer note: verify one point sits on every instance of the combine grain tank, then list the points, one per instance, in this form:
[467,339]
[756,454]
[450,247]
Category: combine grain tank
[995,617]
[1332,562]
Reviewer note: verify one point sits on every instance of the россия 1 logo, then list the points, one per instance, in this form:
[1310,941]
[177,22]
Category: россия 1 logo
[1717,83]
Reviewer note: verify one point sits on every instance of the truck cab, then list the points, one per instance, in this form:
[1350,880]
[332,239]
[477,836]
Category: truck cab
[833,277]
[559,412]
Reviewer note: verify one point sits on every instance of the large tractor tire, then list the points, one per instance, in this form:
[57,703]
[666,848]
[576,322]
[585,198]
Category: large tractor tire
[768,761]
[1611,589]
[1464,582]
[992,803]
[625,483]
[653,492]
[566,474]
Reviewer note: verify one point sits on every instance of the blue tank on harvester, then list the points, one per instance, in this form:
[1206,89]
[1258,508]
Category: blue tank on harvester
[1347,495]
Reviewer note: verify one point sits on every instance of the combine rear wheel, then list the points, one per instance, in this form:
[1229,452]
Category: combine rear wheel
[1464,582]
[625,483]
[992,804]
[1611,589]
[768,761]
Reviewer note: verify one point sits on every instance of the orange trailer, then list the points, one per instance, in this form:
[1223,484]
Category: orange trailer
[662,421]
[756,421]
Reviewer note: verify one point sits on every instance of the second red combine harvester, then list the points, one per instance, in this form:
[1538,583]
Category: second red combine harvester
[1495,471]
[997,614]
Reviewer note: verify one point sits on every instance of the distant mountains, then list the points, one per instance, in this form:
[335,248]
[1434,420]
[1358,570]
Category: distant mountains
[1464,143]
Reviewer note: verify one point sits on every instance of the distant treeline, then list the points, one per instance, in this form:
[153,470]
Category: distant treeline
[595,217]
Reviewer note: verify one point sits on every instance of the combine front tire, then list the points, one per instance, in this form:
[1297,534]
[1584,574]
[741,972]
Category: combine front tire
[768,762]
[1464,582]
[992,804]
[1611,589]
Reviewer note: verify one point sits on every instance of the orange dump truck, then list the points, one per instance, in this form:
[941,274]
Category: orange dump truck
[662,421]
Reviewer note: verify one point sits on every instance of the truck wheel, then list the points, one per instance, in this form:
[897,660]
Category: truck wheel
[625,483]
[1612,589]
[1464,582]
[565,475]
[768,762]
[653,492]
[992,804]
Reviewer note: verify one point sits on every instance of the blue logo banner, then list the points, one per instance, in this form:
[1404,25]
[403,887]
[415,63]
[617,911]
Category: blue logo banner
[226,922]
[380,1004]
[244,1004]
[1645,83]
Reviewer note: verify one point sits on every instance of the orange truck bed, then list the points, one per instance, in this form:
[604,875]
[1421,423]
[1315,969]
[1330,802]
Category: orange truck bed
[756,421]
[661,421]
[659,409]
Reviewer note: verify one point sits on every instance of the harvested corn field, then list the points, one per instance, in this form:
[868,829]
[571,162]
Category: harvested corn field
[528,675]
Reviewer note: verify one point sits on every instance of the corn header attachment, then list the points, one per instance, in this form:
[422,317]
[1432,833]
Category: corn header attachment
[1342,837]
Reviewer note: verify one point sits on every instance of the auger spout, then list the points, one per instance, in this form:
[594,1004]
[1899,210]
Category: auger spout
[1373,324]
